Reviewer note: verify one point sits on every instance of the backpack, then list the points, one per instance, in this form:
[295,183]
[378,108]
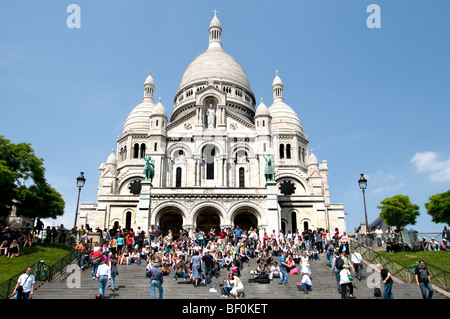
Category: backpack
[339,263]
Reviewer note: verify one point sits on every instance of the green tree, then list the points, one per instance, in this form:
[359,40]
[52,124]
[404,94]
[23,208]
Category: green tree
[19,167]
[439,207]
[399,211]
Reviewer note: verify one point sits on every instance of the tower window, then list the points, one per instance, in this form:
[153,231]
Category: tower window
[281,151]
[155,148]
[210,165]
[142,150]
[288,151]
[178,177]
[241,177]
[136,151]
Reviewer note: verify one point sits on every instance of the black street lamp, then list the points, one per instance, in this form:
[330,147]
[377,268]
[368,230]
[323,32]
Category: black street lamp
[80,183]
[363,185]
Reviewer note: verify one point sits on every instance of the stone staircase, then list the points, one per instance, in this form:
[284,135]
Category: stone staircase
[131,283]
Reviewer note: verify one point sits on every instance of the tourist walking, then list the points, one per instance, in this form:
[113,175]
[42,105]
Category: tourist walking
[336,268]
[196,268]
[156,281]
[283,268]
[387,281]
[114,271]
[103,275]
[345,282]
[25,285]
[357,262]
[209,264]
[423,280]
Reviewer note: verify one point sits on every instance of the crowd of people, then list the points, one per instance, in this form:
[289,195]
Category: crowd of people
[196,258]
[13,238]
[393,240]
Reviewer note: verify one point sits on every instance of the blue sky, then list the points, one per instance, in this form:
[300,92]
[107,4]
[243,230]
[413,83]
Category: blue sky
[373,101]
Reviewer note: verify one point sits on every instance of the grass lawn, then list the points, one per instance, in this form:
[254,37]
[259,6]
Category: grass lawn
[440,259]
[50,253]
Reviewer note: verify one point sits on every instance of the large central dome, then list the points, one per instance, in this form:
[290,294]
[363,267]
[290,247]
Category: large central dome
[215,63]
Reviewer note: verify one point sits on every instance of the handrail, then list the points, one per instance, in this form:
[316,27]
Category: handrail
[439,277]
[41,270]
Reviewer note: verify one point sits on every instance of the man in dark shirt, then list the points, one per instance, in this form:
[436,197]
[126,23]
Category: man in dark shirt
[209,264]
[388,282]
[156,281]
[423,280]
[157,232]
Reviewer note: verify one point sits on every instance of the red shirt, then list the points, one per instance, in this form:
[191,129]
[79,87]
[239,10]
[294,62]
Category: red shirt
[96,253]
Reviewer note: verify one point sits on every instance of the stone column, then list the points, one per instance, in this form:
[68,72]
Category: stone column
[143,214]
[273,211]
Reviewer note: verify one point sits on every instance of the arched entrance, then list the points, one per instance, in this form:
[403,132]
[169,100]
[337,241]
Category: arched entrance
[208,218]
[171,219]
[245,218]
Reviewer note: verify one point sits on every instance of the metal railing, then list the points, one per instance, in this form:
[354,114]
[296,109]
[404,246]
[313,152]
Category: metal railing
[42,272]
[438,276]
[414,241]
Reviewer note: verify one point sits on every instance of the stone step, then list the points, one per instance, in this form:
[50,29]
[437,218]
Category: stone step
[131,283]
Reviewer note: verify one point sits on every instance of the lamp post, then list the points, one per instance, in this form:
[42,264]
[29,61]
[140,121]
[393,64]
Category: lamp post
[80,183]
[363,185]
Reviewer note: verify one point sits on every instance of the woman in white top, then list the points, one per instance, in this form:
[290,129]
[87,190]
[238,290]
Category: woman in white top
[345,282]
[304,262]
[238,287]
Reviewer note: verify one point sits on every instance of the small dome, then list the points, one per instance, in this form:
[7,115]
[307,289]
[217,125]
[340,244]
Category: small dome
[149,80]
[112,159]
[277,81]
[215,21]
[138,121]
[312,159]
[159,109]
[284,117]
[262,110]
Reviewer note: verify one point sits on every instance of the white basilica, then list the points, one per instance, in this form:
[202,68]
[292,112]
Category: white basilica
[210,156]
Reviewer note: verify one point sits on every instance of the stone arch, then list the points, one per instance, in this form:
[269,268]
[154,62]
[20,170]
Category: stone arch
[305,224]
[197,208]
[123,189]
[300,183]
[169,216]
[246,215]
[207,216]
[211,93]
[241,147]
[128,218]
[173,149]
[160,209]
[200,148]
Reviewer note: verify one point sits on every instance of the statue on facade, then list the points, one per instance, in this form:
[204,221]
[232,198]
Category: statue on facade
[149,168]
[269,170]
[211,117]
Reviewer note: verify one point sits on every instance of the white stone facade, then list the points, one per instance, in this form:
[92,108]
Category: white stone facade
[209,159]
